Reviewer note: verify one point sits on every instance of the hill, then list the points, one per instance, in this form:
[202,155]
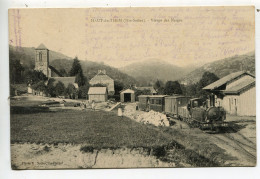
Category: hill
[223,67]
[27,55]
[90,69]
[153,69]
[61,61]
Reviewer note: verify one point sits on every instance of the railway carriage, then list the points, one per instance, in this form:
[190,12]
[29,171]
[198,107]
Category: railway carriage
[157,102]
[143,103]
[151,102]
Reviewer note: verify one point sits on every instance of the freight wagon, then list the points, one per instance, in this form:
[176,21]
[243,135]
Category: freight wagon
[174,103]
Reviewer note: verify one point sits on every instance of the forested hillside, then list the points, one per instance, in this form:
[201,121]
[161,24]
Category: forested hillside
[223,67]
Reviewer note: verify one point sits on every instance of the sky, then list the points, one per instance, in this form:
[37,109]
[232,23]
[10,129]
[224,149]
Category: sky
[182,36]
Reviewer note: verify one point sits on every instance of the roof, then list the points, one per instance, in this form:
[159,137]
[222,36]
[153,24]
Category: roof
[41,46]
[100,77]
[97,90]
[153,96]
[177,96]
[55,71]
[143,96]
[127,91]
[226,79]
[65,80]
[147,88]
[157,96]
[240,86]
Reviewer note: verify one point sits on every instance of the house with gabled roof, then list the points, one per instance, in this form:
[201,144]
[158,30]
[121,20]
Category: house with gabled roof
[104,79]
[236,92]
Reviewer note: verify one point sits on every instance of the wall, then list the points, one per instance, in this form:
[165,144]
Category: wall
[44,64]
[248,102]
[243,104]
[97,97]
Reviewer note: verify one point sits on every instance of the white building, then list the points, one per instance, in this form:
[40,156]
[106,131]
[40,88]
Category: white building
[236,93]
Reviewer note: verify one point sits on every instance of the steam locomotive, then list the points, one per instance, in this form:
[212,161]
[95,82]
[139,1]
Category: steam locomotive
[193,111]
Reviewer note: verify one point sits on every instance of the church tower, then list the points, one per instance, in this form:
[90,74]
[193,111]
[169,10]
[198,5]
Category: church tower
[42,60]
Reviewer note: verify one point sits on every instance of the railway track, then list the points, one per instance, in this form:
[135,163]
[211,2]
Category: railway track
[238,143]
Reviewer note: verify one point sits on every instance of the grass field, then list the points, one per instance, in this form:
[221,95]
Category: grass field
[31,123]
[34,124]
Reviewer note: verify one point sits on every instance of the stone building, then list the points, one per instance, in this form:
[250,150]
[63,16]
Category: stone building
[42,62]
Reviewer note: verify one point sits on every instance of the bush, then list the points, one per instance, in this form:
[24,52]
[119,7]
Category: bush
[59,89]
[159,151]
[115,97]
[87,149]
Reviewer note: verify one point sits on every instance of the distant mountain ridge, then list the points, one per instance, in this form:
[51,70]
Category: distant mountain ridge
[153,69]
[144,72]
[223,67]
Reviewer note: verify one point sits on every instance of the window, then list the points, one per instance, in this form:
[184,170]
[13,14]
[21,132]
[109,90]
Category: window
[159,101]
[152,101]
[40,56]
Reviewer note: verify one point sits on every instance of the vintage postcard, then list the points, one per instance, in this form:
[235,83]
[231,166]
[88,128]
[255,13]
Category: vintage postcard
[132,87]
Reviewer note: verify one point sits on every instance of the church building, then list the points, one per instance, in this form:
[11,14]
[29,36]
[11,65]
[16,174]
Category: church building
[42,64]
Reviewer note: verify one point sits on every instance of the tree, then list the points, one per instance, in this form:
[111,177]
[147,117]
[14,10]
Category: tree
[76,67]
[40,86]
[63,72]
[33,76]
[80,79]
[76,70]
[142,92]
[15,71]
[118,87]
[191,90]
[83,91]
[172,87]
[158,84]
[51,88]
[206,79]
[59,89]
[71,91]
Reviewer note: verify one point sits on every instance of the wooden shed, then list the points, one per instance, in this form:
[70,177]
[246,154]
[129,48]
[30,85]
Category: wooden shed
[173,102]
[97,94]
[127,95]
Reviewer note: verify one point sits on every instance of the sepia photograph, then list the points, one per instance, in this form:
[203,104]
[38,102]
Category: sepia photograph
[132,87]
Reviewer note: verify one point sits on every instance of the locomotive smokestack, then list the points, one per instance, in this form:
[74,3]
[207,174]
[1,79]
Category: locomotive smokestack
[212,100]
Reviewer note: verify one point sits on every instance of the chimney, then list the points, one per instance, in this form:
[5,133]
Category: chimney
[241,66]
[99,71]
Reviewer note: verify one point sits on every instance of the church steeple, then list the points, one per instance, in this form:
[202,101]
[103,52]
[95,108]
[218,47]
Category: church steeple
[42,60]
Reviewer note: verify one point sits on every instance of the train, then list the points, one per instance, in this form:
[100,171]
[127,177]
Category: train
[194,111]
